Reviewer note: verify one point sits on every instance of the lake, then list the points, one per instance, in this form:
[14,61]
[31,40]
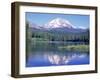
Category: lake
[44,53]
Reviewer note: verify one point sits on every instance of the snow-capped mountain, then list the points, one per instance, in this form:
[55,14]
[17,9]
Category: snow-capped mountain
[58,23]
[59,30]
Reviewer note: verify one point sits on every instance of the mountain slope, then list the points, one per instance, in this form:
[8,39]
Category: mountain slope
[58,23]
[59,30]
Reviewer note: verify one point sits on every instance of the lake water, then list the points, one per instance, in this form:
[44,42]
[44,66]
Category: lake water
[48,54]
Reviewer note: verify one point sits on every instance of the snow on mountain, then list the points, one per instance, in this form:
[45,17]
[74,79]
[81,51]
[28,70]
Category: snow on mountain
[58,23]
[81,27]
[34,26]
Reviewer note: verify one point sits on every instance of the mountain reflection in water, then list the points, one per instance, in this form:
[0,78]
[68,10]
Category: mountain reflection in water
[54,59]
[57,59]
[48,54]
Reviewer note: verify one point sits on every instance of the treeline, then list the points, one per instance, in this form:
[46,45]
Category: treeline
[61,37]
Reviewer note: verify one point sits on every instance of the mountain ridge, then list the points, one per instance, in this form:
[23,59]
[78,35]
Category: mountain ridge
[57,23]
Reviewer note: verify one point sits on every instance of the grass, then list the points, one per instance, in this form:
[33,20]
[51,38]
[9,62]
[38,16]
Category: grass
[81,48]
[39,39]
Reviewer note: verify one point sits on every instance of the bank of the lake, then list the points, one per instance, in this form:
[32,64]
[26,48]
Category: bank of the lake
[79,47]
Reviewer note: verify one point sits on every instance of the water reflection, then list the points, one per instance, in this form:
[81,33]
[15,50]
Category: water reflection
[48,54]
[56,58]
[62,59]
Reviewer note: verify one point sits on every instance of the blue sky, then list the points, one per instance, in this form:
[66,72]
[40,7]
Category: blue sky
[43,18]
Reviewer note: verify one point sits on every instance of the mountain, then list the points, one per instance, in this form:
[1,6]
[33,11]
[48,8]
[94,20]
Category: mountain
[59,30]
[34,26]
[58,23]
